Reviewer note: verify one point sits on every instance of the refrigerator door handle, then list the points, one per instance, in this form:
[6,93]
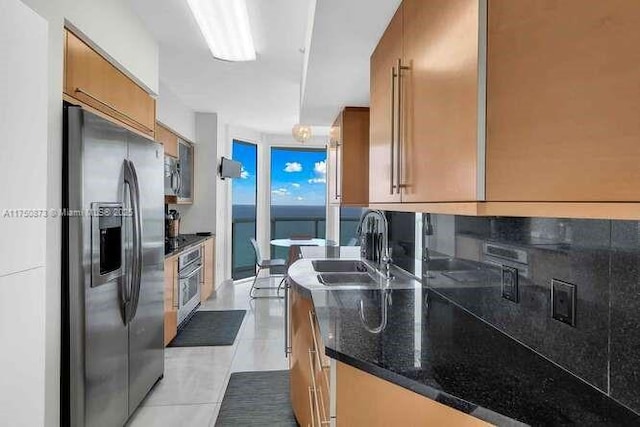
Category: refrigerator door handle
[131,178]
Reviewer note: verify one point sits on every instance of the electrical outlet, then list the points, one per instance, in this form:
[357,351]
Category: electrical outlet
[510,289]
[563,302]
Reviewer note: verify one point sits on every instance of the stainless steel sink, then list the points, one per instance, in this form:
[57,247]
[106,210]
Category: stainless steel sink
[339,266]
[340,279]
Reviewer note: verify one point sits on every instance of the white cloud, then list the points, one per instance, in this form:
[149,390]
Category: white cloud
[318,180]
[295,185]
[280,192]
[244,174]
[299,198]
[292,167]
[320,169]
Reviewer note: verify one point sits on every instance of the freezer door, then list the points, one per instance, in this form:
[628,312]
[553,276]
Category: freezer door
[146,328]
[96,353]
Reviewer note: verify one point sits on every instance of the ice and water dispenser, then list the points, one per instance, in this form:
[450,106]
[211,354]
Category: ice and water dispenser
[106,242]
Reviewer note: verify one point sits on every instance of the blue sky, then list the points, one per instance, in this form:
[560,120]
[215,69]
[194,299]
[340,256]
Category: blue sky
[244,188]
[298,177]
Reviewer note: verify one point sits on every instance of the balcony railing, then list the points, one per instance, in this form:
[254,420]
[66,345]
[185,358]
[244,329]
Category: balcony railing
[243,229]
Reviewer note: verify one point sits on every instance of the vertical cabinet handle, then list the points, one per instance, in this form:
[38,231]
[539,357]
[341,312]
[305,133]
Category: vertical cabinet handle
[313,420]
[393,132]
[338,150]
[315,405]
[316,347]
[287,346]
[399,130]
[400,135]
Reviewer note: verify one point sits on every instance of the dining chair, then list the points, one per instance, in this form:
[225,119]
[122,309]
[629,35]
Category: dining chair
[265,264]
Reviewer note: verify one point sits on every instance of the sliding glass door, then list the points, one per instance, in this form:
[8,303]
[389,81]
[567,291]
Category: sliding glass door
[244,210]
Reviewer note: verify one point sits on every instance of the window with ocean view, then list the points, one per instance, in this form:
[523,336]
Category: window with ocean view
[298,194]
[244,210]
[349,219]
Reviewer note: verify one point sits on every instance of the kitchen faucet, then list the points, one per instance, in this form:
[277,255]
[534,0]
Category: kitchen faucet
[384,258]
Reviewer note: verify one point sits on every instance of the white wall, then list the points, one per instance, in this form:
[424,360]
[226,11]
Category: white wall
[171,112]
[201,215]
[226,135]
[114,27]
[23,130]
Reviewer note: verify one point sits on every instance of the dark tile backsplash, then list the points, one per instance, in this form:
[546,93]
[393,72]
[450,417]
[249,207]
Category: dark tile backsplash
[464,259]
[402,237]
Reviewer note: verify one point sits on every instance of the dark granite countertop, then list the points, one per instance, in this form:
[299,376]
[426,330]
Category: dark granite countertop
[184,242]
[435,348]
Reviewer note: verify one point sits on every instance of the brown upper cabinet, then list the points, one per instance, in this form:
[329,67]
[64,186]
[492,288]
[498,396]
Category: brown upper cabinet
[168,139]
[348,151]
[505,107]
[425,99]
[563,101]
[94,82]
[383,117]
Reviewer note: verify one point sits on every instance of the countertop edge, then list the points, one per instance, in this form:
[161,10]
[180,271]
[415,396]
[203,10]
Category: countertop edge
[196,242]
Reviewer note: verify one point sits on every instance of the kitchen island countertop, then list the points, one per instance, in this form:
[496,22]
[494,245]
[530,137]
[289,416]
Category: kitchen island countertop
[435,348]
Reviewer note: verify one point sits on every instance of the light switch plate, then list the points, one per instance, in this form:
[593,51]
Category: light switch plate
[563,302]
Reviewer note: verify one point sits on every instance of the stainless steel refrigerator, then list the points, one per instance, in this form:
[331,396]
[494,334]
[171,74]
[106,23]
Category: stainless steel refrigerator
[113,270]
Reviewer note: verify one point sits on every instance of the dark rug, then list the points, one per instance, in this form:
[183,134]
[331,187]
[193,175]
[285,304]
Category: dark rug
[257,399]
[209,328]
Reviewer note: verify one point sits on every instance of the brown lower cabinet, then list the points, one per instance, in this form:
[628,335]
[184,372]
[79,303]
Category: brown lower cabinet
[208,281]
[366,400]
[309,367]
[361,399]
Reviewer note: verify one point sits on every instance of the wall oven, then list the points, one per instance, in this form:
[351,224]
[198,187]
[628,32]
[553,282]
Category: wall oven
[189,277]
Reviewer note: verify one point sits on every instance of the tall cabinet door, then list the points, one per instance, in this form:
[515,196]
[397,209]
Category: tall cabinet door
[439,101]
[382,150]
[564,101]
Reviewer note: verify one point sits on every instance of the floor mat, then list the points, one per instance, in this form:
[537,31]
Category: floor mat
[210,328]
[257,399]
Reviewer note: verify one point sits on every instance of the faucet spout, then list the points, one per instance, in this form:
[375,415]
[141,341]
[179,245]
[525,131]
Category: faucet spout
[384,253]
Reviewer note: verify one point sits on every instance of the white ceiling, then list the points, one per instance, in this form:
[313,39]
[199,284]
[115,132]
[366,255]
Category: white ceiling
[345,33]
[265,95]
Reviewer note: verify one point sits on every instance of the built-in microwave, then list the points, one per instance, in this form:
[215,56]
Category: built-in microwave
[172,179]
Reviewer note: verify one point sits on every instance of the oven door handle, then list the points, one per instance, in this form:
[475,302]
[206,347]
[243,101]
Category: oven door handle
[191,273]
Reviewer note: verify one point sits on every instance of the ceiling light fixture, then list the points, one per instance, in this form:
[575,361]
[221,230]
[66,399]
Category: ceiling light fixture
[301,133]
[225,27]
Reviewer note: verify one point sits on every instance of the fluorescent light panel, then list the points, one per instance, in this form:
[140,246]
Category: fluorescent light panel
[225,27]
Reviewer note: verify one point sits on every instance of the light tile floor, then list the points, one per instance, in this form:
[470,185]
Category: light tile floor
[195,378]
